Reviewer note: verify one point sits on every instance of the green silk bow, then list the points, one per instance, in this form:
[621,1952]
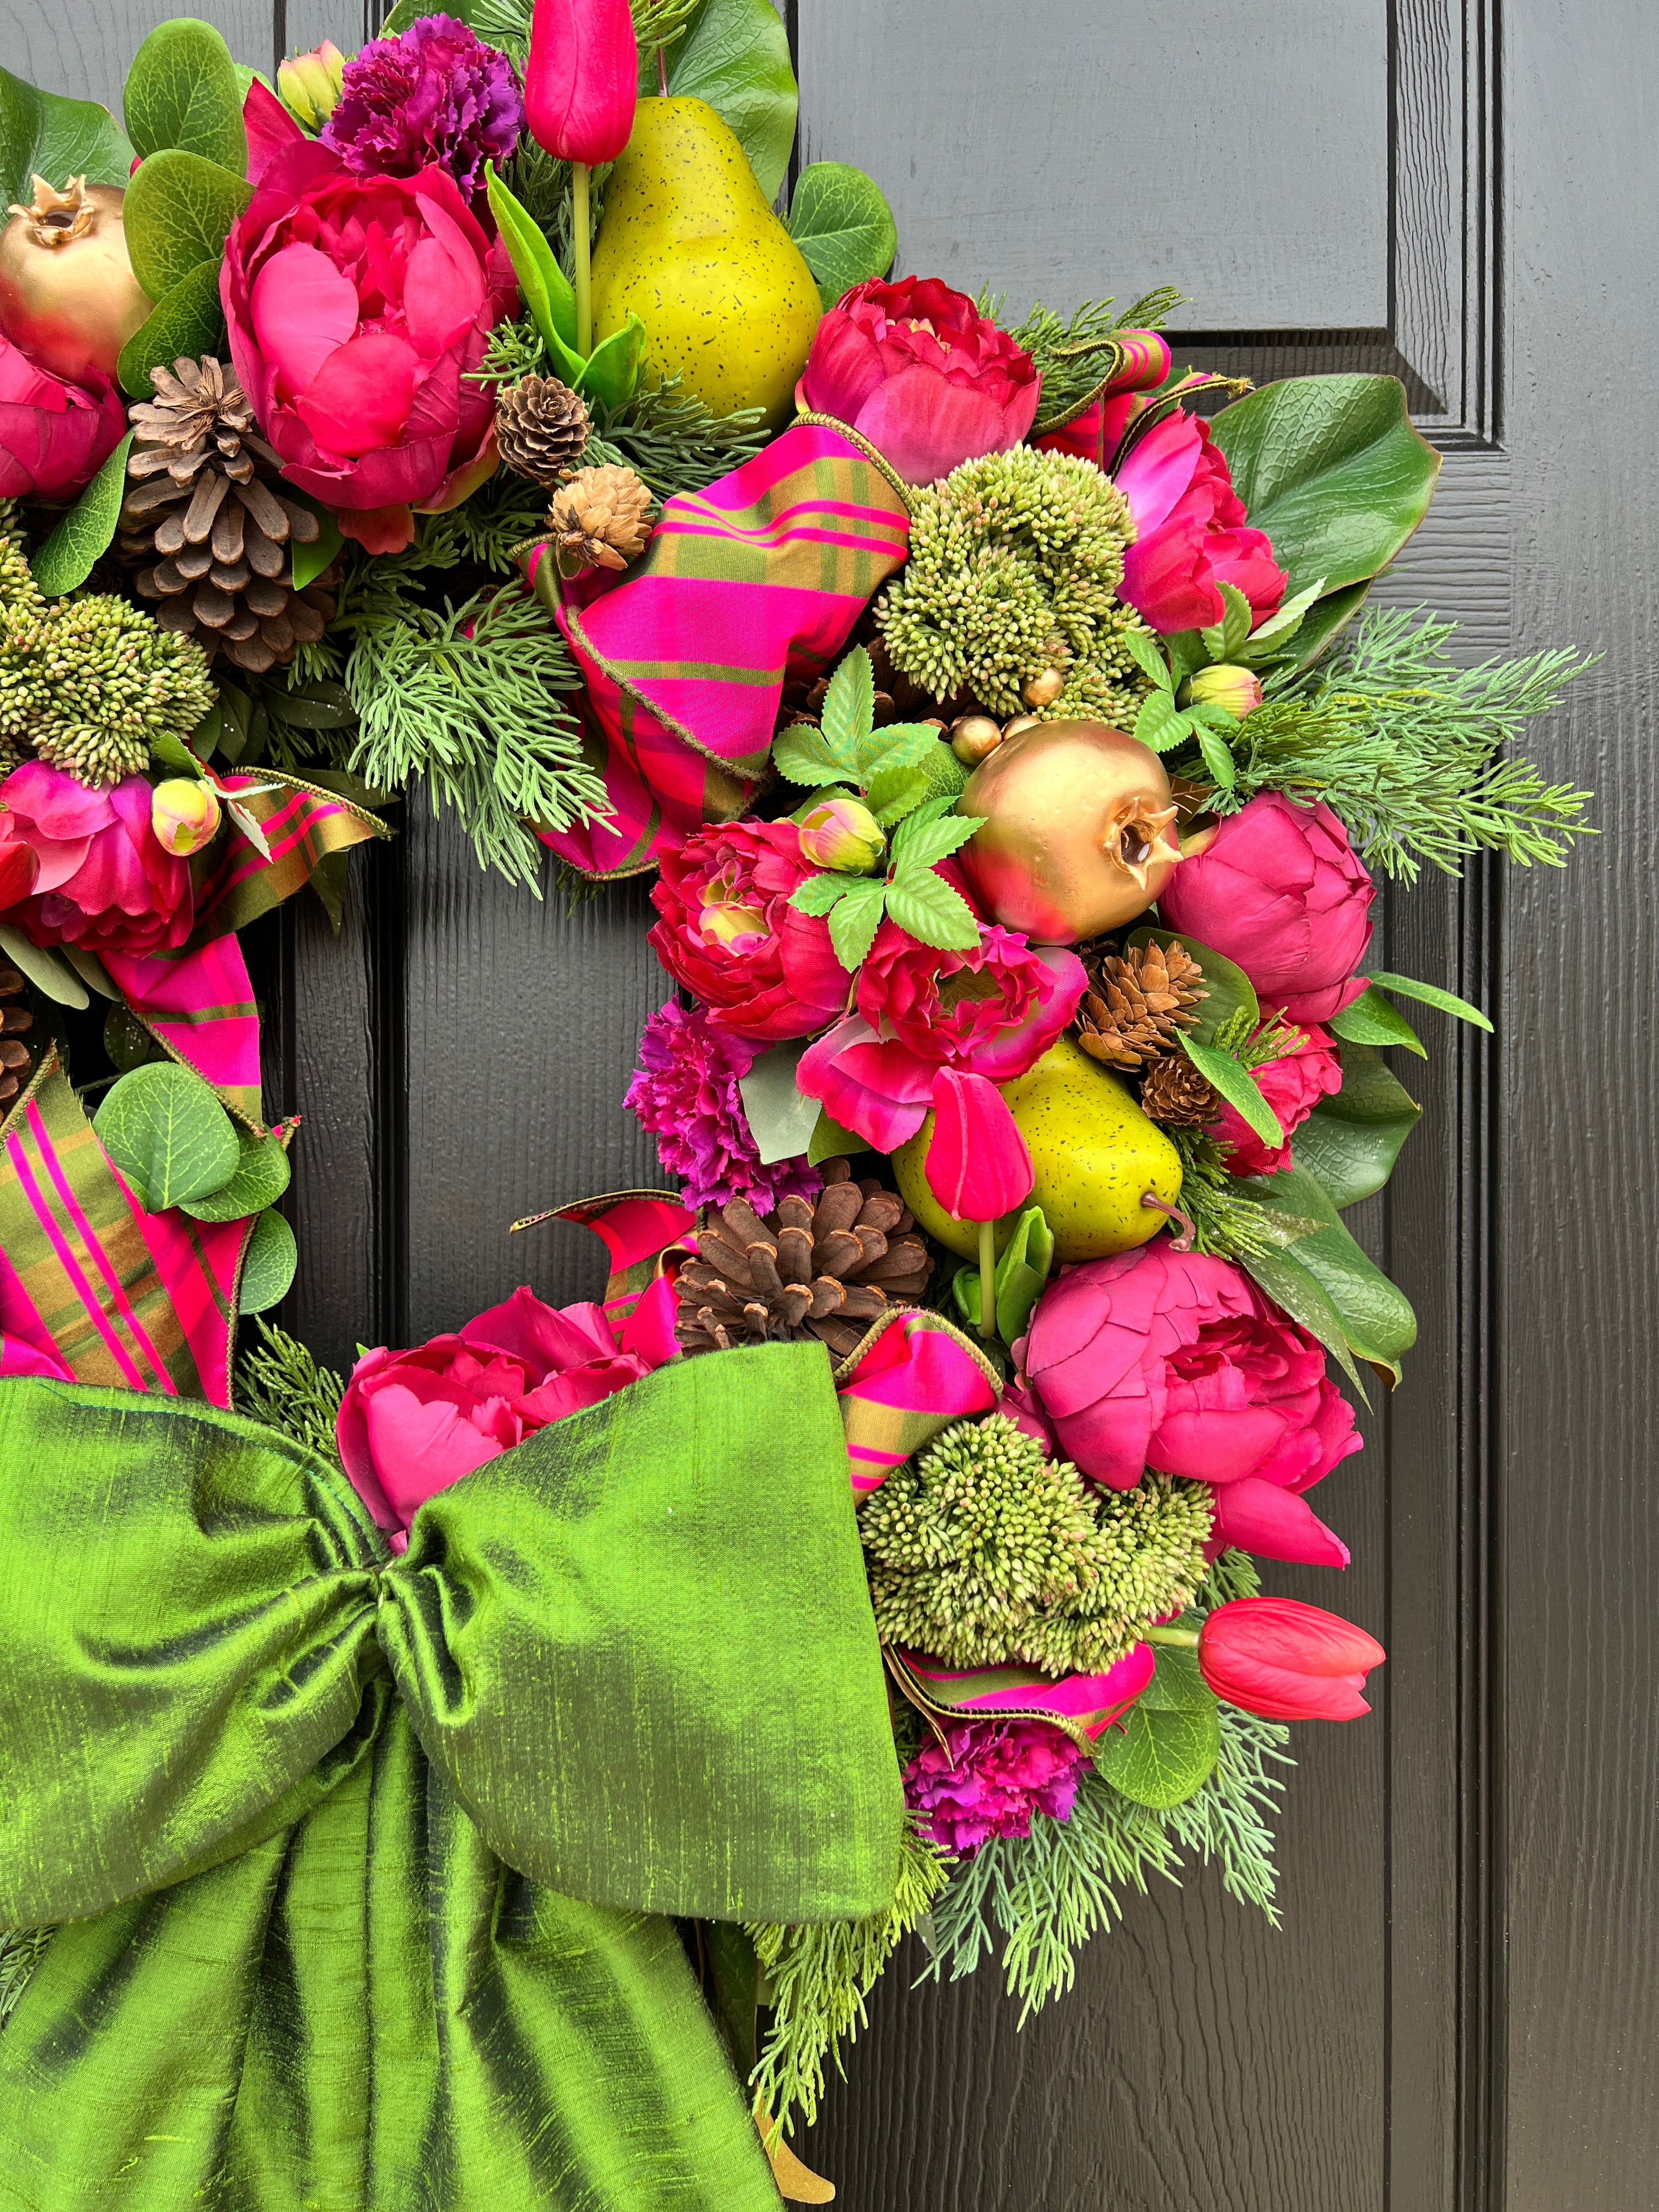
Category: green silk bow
[364,1863]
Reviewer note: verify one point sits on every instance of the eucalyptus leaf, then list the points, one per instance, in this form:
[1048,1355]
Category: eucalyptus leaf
[1159,1756]
[1228,989]
[268,1265]
[45,969]
[843,226]
[260,1177]
[319,706]
[167,1134]
[88,529]
[1371,1019]
[182,91]
[190,320]
[178,212]
[735,55]
[1178,1685]
[781,1121]
[1430,994]
[41,134]
[1376,1318]
[1350,1142]
[1236,1086]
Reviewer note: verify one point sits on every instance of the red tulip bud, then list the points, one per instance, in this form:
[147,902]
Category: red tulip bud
[582,78]
[1285,1661]
[977,1166]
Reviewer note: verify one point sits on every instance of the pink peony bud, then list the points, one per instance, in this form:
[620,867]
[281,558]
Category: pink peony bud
[844,834]
[1285,1661]
[310,84]
[185,814]
[582,78]
[1238,691]
[977,1166]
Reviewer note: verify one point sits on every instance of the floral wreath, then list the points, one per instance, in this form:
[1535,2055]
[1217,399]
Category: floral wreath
[502,1775]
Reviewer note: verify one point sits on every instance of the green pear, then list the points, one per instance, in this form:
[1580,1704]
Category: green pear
[1094,1153]
[689,245]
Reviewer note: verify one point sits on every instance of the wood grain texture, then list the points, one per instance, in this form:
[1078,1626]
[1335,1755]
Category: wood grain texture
[83,51]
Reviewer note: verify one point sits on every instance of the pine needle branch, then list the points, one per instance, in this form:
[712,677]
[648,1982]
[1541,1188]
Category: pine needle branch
[278,1383]
[1075,357]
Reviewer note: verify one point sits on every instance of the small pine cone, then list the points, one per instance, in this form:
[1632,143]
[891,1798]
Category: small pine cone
[601,519]
[825,1270]
[18,1047]
[541,428]
[1136,1002]
[1174,1092]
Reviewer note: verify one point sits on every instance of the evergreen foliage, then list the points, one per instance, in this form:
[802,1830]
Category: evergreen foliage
[1076,357]
[278,1383]
[1225,1224]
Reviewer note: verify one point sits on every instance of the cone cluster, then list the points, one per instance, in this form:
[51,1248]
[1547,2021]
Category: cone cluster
[601,519]
[541,429]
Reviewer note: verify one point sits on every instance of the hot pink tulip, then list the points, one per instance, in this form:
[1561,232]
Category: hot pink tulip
[1285,1661]
[102,879]
[581,81]
[977,1165]
[1190,532]
[54,436]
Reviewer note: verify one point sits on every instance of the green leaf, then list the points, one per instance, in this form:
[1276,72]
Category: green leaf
[919,841]
[847,714]
[830,1141]
[1323,620]
[188,321]
[1350,1142]
[1159,1757]
[44,969]
[818,893]
[735,55]
[925,905]
[310,561]
[1159,723]
[1217,758]
[268,1265]
[173,752]
[1404,986]
[320,705]
[182,91]
[66,559]
[781,1121]
[1150,659]
[1372,1019]
[56,138]
[545,287]
[856,919]
[1229,989]
[843,226]
[259,1179]
[896,744]
[1236,1086]
[1178,1685]
[1228,638]
[799,753]
[1276,633]
[167,1134]
[1376,1318]
[1333,470]
[612,369]
[178,212]
[1290,1284]
[893,793]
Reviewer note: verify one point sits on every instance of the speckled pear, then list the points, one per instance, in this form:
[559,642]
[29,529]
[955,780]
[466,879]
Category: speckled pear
[689,245]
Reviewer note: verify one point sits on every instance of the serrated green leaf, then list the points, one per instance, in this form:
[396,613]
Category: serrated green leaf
[735,55]
[1350,1142]
[612,370]
[896,744]
[1236,1086]
[843,226]
[799,753]
[1376,1315]
[44,969]
[918,843]
[847,714]
[546,289]
[855,920]
[1144,648]
[895,793]
[178,212]
[182,91]
[167,1134]
[1235,624]
[1160,1757]
[173,752]
[88,529]
[1427,995]
[1373,1020]
[1159,723]
[1277,632]
[268,1265]
[1217,758]
[781,1119]
[190,320]
[818,893]
[57,138]
[925,905]
[310,561]
[260,1177]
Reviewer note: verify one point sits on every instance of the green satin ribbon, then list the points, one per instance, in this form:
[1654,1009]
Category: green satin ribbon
[365,1863]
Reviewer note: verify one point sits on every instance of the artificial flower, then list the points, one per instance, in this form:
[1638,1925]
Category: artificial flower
[1278,888]
[102,880]
[1253,1514]
[1236,691]
[916,369]
[977,1165]
[1190,532]
[685,1094]
[991,1777]
[184,814]
[270,128]
[1093,435]
[1293,1083]
[54,436]
[842,833]
[434,94]
[310,83]
[1287,1660]
[582,78]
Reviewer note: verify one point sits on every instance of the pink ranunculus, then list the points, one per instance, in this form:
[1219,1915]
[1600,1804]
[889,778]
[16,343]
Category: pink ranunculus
[916,369]
[412,1423]
[357,309]
[1177,1361]
[1292,1085]
[1287,1661]
[54,436]
[1278,890]
[102,879]
[991,1777]
[729,935]
[1190,532]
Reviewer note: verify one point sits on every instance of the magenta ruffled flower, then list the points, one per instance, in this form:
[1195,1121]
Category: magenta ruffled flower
[989,1779]
[437,94]
[685,1093]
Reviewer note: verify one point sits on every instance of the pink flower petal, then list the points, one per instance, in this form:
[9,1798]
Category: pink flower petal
[360,397]
[442,292]
[302,309]
[419,1449]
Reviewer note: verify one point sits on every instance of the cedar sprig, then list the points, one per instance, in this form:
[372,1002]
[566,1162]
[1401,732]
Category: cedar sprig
[1224,1224]
[1075,357]
[279,1383]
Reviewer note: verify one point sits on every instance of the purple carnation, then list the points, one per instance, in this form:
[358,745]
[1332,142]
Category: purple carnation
[685,1093]
[436,94]
[989,1778]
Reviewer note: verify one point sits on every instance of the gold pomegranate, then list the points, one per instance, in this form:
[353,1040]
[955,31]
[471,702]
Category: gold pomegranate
[68,296]
[1077,832]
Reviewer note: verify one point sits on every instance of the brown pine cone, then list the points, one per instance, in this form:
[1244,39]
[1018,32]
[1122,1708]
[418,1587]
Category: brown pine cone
[1176,1094]
[1135,1002]
[16,1058]
[601,519]
[826,1270]
[208,527]
[541,428]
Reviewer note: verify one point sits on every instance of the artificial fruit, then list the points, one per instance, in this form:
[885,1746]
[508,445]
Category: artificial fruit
[68,299]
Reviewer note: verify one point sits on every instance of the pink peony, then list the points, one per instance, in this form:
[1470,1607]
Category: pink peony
[54,436]
[1287,1661]
[1176,1361]
[993,1779]
[412,1423]
[102,879]
[1292,1085]
[916,369]
[1278,889]
[1190,534]
[729,935]
[685,1094]
[436,95]
[357,309]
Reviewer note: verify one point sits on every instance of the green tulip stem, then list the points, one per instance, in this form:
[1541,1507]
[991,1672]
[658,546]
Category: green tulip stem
[1183,1639]
[582,225]
[987,1278]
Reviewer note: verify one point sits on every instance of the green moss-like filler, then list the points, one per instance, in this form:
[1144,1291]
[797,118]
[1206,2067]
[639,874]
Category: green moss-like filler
[1015,565]
[88,683]
[983,1549]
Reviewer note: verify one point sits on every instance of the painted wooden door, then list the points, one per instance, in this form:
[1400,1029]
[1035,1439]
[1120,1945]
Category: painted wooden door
[1459,2012]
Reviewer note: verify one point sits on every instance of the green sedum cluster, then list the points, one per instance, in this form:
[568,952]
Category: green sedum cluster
[89,684]
[1015,565]
[983,1549]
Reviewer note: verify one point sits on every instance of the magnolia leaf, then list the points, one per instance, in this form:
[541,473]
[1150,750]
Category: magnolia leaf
[1159,1756]
[310,561]
[1404,986]
[190,320]
[268,1265]
[893,793]
[167,1134]
[1290,1287]
[321,705]
[260,1178]
[182,92]
[93,973]
[843,226]
[800,753]
[1217,758]
[1376,1315]
[781,1121]
[1144,646]
[41,134]
[44,969]
[855,920]
[1236,1086]
[926,906]
[818,894]
[1350,1142]
[612,369]
[830,1141]
[735,55]
[1323,621]
[178,212]
[1228,988]
[546,289]
[1371,1019]
[849,708]
[66,559]
[1160,723]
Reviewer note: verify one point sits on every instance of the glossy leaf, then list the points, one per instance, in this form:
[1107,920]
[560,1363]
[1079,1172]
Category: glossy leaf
[1428,994]
[1178,1685]
[843,226]
[612,369]
[1230,990]
[735,55]
[268,1264]
[1290,1284]
[45,969]
[178,211]
[1160,1756]
[781,1121]
[545,287]
[190,320]
[1371,1019]
[1350,1142]
[1376,1315]
[167,1134]
[260,1178]
[88,530]
[1324,619]
[1333,470]
[182,91]
[1236,1086]
[40,133]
